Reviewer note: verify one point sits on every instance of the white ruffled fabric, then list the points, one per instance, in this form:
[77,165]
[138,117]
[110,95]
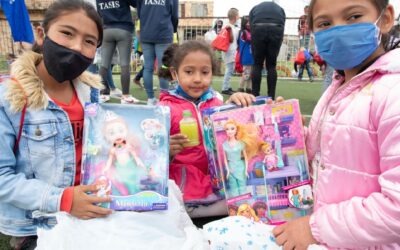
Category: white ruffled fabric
[171,229]
[238,232]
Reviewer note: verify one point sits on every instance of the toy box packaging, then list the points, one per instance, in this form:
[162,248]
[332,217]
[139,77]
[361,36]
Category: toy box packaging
[125,153]
[262,160]
[209,142]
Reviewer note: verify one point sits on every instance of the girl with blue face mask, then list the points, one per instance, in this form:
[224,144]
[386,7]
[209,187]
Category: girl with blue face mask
[353,138]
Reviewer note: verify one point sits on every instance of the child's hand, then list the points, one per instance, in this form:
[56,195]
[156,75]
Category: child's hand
[295,234]
[277,100]
[176,142]
[240,98]
[83,204]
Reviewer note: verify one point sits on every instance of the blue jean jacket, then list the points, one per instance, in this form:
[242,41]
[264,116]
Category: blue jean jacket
[33,178]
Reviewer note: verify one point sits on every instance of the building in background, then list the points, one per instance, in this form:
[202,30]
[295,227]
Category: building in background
[36,9]
[196,18]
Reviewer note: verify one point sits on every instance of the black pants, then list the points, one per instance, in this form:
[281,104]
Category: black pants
[266,43]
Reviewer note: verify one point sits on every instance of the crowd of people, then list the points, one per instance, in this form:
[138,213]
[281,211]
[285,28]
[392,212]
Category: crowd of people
[352,139]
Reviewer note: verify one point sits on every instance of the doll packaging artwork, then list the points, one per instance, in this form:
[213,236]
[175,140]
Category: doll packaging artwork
[261,160]
[125,153]
[210,143]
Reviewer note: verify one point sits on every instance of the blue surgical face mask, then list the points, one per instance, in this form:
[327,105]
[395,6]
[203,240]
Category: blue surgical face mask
[348,46]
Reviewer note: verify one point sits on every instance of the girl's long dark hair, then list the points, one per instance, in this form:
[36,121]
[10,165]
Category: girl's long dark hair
[245,20]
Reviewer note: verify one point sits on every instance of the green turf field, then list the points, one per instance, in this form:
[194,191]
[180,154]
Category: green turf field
[308,94]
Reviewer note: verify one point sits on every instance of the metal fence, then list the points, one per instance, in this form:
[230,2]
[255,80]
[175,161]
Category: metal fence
[190,28]
[195,29]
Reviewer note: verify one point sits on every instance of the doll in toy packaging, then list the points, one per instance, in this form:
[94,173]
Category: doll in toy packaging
[129,168]
[262,156]
[237,148]
[127,156]
[270,159]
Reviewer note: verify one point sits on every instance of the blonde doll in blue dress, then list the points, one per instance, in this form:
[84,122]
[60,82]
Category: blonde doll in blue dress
[237,151]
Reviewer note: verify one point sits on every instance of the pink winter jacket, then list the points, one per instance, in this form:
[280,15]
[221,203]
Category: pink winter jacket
[189,168]
[357,183]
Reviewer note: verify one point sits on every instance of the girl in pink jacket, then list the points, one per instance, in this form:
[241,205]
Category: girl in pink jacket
[353,139]
[191,65]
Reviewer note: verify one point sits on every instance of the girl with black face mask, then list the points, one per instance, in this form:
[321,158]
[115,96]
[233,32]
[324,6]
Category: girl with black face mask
[41,122]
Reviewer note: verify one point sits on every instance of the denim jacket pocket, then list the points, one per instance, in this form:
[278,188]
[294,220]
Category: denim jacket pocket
[41,138]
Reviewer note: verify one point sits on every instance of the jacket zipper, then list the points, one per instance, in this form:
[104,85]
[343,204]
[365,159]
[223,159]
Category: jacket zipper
[319,136]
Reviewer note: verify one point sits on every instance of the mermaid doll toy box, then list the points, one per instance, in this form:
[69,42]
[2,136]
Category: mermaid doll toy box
[262,160]
[125,153]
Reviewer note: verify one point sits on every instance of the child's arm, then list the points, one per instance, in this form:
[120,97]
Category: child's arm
[229,29]
[246,162]
[15,188]
[226,165]
[138,161]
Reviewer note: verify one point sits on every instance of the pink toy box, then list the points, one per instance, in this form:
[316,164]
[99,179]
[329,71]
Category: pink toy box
[125,153]
[262,161]
[210,143]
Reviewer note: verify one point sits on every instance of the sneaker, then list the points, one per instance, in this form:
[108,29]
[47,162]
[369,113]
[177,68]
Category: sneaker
[231,90]
[129,100]
[249,91]
[116,93]
[240,90]
[104,98]
[152,101]
[138,83]
[227,92]
[311,79]
[26,243]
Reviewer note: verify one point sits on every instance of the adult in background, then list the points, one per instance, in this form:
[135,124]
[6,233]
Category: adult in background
[118,33]
[158,23]
[138,50]
[303,30]
[267,22]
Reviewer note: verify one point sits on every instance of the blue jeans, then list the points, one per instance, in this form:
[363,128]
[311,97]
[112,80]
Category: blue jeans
[94,93]
[150,52]
[229,67]
[93,68]
[306,65]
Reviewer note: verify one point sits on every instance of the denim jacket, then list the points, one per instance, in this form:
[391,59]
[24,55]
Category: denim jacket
[33,178]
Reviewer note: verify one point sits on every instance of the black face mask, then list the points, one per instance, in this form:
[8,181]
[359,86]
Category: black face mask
[63,63]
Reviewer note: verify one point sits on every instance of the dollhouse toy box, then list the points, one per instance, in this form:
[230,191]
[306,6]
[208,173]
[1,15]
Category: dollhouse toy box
[125,153]
[262,162]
